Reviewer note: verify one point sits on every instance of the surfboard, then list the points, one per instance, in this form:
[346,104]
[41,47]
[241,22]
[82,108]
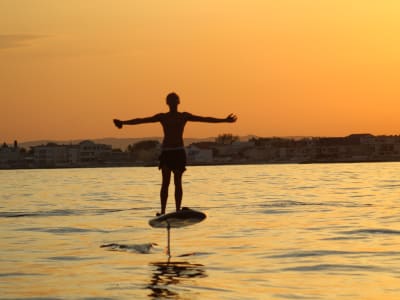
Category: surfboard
[182,218]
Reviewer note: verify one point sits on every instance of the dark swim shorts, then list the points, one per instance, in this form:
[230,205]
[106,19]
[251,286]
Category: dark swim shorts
[175,160]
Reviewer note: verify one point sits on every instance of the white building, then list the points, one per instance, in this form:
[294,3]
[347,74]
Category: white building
[89,151]
[50,155]
[86,152]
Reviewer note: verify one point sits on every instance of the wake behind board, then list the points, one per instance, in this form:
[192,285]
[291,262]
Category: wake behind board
[182,218]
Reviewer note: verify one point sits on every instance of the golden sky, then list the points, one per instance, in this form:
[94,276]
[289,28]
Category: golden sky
[286,68]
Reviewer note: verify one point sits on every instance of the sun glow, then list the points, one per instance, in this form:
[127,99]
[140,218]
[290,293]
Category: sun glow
[285,68]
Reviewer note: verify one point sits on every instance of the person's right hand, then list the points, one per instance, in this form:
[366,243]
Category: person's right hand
[118,123]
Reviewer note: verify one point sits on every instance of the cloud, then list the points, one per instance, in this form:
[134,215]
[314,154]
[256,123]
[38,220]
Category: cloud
[17,40]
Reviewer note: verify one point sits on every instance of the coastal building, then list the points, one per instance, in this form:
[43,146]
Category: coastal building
[12,156]
[200,153]
[50,155]
[352,148]
[89,152]
[84,153]
[387,146]
[257,154]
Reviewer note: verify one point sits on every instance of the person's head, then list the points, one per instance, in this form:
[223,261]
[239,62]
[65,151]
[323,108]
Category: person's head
[172,100]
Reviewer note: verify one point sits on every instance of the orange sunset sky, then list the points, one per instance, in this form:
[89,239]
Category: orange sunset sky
[286,68]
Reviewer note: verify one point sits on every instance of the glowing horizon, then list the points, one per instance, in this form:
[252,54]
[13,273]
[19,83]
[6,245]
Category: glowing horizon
[287,68]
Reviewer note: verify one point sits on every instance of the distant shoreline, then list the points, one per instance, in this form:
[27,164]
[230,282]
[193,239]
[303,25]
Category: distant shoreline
[154,165]
[225,150]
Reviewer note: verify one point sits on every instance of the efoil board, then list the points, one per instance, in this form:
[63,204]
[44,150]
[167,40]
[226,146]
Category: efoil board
[182,218]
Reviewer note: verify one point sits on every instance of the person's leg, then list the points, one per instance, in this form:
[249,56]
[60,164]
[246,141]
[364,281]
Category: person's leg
[178,189]
[166,178]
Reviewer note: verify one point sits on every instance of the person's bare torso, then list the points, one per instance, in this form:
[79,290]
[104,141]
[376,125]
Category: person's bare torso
[173,124]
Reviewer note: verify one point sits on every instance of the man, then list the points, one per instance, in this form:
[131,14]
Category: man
[173,155]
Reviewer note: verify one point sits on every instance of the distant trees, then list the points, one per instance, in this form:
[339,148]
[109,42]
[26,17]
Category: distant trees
[15,147]
[226,139]
[143,145]
[146,151]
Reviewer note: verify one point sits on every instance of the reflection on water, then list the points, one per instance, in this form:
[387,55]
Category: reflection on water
[167,276]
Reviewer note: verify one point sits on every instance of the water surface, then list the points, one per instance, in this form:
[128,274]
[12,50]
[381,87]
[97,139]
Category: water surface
[321,231]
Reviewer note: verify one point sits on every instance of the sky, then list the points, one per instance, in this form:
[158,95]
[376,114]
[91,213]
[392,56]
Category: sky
[285,68]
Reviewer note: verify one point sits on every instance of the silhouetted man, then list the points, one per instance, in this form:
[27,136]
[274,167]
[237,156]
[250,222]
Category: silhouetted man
[173,155]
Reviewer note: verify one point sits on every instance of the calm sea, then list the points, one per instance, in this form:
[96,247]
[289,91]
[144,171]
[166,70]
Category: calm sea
[320,231]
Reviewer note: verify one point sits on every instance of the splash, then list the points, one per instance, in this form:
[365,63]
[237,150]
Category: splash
[135,248]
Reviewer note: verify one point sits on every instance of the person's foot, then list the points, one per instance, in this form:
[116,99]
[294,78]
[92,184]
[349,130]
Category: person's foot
[183,208]
[159,214]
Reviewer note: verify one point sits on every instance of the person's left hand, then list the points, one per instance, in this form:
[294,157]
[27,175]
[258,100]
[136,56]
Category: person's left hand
[231,118]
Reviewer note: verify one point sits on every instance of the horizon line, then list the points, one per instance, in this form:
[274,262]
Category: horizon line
[194,138]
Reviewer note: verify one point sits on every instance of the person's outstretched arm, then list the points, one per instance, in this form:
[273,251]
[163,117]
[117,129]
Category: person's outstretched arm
[119,123]
[229,119]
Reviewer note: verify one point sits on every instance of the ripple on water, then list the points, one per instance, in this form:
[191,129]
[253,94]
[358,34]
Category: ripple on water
[336,267]
[321,253]
[64,212]
[62,230]
[372,231]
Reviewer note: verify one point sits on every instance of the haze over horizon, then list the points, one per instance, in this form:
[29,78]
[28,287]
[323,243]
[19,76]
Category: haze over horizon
[286,68]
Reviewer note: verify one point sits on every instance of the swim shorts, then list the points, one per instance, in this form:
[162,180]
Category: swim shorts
[175,160]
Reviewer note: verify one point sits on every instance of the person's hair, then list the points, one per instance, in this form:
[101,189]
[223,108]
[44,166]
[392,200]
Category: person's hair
[172,99]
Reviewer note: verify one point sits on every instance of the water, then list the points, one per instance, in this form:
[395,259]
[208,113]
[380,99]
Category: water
[323,231]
